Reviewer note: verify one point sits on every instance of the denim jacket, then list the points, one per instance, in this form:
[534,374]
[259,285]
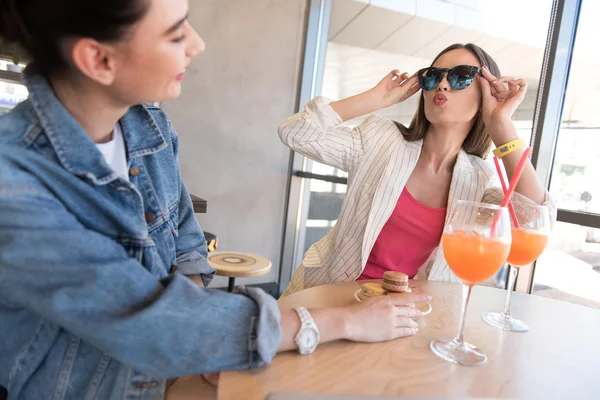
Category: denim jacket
[91,305]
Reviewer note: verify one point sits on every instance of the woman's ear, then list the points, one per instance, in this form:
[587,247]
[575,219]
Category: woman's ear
[94,59]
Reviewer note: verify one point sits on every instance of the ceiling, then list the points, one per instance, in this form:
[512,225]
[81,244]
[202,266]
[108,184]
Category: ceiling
[421,29]
[367,39]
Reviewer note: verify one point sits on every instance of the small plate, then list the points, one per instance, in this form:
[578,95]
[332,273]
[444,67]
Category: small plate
[425,308]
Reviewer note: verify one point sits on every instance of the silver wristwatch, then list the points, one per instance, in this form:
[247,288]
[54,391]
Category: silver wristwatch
[307,337]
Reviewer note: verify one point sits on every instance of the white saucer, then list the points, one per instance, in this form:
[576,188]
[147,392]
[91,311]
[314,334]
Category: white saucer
[425,308]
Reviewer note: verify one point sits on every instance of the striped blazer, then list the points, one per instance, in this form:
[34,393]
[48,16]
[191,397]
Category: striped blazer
[379,162]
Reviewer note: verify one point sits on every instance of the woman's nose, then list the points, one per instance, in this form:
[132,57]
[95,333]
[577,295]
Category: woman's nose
[443,86]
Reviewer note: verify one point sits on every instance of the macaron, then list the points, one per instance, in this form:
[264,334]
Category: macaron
[395,282]
[371,290]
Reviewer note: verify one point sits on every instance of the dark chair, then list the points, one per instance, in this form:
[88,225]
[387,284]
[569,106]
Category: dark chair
[212,241]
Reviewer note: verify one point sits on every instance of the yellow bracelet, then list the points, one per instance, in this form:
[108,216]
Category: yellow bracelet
[509,147]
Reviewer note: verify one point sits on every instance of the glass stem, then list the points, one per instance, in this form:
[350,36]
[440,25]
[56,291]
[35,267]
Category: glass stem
[512,275]
[461,325]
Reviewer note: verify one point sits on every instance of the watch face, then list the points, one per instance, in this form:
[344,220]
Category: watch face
[308,339]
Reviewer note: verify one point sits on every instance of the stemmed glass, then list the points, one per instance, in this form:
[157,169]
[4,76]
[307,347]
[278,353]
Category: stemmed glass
[529,240]
[474,252]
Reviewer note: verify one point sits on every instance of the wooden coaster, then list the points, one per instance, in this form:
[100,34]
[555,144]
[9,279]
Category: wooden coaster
[238,265]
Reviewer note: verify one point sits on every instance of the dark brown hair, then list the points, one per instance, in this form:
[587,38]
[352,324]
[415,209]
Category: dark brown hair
[478,141]
[40,26]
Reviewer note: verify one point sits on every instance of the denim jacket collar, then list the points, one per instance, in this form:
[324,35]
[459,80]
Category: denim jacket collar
[74,148]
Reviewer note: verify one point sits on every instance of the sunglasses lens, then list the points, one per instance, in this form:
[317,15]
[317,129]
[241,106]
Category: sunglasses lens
[429,78]
[461,77]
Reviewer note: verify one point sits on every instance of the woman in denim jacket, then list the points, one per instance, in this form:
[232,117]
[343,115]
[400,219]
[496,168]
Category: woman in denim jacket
[94,217]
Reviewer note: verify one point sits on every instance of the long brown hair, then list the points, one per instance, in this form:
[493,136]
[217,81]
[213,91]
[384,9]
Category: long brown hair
[478,141]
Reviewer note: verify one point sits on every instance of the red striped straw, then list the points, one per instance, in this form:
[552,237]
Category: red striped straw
[513,216]
[513,184]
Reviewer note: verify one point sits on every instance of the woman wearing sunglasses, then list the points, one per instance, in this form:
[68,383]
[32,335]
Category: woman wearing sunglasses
[404,181]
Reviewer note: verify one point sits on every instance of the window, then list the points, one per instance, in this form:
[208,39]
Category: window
[11,92]
[570,267]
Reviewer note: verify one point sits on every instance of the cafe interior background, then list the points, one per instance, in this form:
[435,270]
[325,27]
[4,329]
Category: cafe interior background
[265,59]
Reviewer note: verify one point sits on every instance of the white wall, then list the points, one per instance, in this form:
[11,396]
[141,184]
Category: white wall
[234,97]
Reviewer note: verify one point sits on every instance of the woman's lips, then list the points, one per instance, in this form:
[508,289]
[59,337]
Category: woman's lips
[439,99]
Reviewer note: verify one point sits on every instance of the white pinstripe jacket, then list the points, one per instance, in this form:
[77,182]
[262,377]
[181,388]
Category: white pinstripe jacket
[379,162]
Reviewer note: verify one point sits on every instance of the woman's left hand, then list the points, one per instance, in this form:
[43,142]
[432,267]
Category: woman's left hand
[212,379]
[197,279]
[499,102]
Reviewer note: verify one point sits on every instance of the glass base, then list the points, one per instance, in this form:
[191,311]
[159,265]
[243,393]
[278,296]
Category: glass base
[458,352]
[505,322]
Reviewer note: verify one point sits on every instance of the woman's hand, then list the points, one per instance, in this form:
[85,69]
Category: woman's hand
[197,279]
[395,88]
[384,317]
[212,379]
[499,102]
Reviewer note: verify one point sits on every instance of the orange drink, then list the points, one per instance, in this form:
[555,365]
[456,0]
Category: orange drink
[474,258]
[476,242]
[530,234]
[527,246]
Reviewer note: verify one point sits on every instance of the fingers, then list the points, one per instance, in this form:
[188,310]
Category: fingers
[405,93]
[405,322]
[512,83]
[397,77]
[404,78]
[498,84]
[403,86]
[393,74]
[487,74]
[407,312]
[504,79]
[403,299]
[520,85]
[502,87]
[414,89]
[486,89]
[212,378]
[411,81]
[404,332]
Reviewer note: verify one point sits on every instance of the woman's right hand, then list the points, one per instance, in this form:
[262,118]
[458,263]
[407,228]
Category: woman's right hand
[384,318]
[395,88]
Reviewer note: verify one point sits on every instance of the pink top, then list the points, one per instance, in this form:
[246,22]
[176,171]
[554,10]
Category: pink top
[407,238]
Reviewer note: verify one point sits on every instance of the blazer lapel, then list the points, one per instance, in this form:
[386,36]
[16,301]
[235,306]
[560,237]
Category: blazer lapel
[467,184]
[402,162]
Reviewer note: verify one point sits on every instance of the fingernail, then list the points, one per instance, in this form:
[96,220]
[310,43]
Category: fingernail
[493,83]
[485,67]
[429,298]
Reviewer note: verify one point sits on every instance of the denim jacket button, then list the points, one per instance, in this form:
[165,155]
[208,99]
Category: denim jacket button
[150,217]
[173,269]
[134,171]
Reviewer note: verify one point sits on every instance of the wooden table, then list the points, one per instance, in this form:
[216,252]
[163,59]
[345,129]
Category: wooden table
[559,358]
